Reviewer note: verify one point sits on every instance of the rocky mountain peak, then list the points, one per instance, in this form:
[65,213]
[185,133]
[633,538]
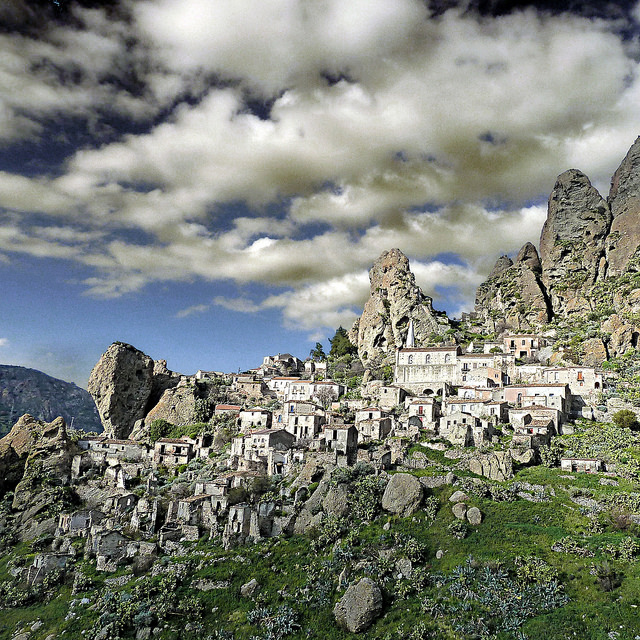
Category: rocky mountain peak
[502,264]
[395,299]
[624,201]
[528,256]
[572,243]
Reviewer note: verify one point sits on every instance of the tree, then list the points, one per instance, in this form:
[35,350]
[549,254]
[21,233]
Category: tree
[317,353]
[341,345]
[626,419]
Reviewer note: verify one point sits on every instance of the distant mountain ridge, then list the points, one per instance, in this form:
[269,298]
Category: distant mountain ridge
[24,390]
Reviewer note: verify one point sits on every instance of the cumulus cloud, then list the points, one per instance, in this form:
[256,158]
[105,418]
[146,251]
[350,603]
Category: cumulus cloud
[4,342]
[376,127]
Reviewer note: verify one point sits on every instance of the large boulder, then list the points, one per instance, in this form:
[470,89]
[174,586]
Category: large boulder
[395,299]
[359,606]
[402,495]
[125,384]
[495,466]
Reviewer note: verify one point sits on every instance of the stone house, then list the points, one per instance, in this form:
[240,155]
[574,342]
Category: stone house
[475,392]
[493,410]
[301,407]
[391,396]
[427,371]
[250,386]
[424,410]
[313,368]
[519,416]
[374,429]
[464,429]
[223,409]
[172,452]
[103,448]
[189,510]
[343,439]
[109,548]
[304,426]
[584,465]
[533,433]
[45,563]
[254,447]
[524,345]
[484,368]
[280,385]
[78,523]
[550,395]
[256,417]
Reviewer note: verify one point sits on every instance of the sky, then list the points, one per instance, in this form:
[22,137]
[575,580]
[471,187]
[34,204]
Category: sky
[210,180]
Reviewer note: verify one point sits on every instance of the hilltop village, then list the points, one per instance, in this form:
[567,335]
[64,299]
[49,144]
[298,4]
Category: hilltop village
[428,478]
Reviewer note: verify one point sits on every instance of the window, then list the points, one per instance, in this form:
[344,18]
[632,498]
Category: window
[447,358]
[427,358]
[410,359]
[420,410]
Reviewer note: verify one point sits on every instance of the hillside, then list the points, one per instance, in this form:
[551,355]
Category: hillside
[25,390]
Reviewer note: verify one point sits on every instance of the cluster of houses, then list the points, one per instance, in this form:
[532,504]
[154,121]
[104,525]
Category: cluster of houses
[464,397]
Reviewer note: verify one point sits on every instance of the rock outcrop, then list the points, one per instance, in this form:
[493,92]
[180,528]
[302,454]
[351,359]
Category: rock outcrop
[359,606]
[624,199]
[589,268]
[513,296]
[394,301]
[402,495]
[572,244]
[125,385]
[495,466]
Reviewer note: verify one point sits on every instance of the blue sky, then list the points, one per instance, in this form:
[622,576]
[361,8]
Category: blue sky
[210,180]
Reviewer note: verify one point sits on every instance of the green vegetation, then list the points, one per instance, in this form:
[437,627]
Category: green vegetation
[341,345]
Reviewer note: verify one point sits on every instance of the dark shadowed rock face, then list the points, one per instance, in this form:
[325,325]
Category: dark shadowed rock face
[126,384]
[29,391]
[572,244]
[624,199]
[395,299]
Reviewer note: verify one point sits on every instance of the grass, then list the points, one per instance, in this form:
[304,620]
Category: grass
[284,566]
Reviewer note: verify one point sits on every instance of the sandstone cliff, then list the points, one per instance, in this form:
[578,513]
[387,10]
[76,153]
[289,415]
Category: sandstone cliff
[395,299]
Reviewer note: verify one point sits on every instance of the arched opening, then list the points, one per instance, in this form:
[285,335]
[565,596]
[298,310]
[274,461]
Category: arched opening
[634,339]
[427,392]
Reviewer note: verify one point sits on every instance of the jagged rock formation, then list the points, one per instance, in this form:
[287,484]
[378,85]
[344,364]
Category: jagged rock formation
[589,268]
[395,299]
[513,293]
[572,244]
[29,391]
[624,199]
[126,384]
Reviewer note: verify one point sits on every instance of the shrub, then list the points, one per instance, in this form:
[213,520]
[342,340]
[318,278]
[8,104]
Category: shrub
[458,529]
[626,419]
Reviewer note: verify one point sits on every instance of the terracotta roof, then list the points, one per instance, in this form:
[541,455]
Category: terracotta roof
[172,441]
[227,406]
[539,423]
[536,384]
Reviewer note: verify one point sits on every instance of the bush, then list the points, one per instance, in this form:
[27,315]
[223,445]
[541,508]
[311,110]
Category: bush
[626,419]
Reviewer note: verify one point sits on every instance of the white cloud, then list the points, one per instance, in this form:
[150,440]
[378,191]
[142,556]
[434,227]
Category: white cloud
[4,342]
[242,305]
[436,140]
